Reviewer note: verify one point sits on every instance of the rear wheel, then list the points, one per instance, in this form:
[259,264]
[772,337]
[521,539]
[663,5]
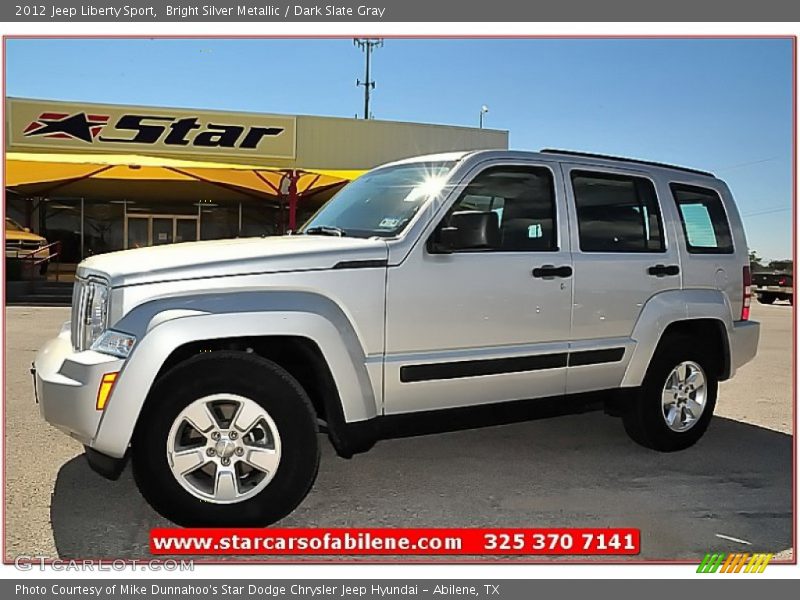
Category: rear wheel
[766,298]
[226,439]
[676,401]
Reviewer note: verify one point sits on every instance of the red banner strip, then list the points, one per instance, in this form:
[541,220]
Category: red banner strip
[386,541]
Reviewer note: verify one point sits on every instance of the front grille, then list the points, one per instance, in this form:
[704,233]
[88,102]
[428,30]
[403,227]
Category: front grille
[23,245]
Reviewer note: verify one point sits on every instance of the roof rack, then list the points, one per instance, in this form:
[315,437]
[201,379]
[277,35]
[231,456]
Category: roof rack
[627,160]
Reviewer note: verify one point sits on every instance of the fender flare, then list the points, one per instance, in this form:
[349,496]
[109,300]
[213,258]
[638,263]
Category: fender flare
[165,324]
[665,309]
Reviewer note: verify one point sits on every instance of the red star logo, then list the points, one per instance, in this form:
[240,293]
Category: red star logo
[79,126]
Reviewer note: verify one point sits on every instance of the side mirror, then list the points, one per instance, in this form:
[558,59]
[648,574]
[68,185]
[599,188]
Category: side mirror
[26,229]
[467,230]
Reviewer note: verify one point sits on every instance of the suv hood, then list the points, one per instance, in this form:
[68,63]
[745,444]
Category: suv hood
[12,235]
[239,256]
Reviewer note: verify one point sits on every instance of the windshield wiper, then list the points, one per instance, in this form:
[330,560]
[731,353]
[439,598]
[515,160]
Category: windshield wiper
[325,230]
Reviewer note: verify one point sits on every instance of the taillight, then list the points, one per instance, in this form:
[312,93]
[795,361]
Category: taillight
[747,293]
[782,281]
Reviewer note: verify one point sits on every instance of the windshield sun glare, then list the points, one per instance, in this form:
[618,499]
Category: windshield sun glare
[381,202]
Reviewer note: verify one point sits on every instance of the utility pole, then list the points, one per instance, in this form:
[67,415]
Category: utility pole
[367,45]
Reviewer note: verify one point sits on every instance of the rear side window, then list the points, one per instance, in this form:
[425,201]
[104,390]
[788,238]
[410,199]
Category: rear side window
[617,213]
[705,225]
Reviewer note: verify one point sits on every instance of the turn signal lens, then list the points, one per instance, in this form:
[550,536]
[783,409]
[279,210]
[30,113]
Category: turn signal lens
[104,391]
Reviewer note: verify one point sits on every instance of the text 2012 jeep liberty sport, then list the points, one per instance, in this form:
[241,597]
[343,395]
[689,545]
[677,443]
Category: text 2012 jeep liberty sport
[428,284]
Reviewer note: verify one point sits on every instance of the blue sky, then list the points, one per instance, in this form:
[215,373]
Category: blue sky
[720,105]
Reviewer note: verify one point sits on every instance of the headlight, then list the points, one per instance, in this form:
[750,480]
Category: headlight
[115,343]
[90,313]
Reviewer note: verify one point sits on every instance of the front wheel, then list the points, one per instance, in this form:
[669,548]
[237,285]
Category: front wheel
[226,439]
[766,298]
[676,401]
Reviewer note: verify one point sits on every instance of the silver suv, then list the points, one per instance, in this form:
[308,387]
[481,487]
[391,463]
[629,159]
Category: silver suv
[435,283]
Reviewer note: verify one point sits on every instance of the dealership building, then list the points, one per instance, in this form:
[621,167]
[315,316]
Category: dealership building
[99,178]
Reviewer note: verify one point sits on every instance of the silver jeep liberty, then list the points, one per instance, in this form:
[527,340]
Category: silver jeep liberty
[427,285]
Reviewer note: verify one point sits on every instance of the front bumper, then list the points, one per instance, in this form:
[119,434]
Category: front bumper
[744,343]
[107,466]
[66,385]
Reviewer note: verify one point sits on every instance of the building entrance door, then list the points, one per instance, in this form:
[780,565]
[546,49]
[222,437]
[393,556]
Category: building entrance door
[157,230]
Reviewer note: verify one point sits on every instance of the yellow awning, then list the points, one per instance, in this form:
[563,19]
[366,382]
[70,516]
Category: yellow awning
[42,174]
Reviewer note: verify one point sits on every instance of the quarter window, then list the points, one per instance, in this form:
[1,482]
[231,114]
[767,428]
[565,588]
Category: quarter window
[617,213]
[705,225]
[524,201]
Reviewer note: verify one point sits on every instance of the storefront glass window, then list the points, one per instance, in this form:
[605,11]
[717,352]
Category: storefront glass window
[60,221]
[103,226]
[219,219]
[259,218]
[98,225]
[158,206]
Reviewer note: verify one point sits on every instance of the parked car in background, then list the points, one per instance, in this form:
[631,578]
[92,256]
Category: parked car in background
[430,284]
[22,243]
[773,285]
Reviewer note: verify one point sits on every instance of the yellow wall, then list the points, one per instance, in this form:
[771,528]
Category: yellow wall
[277,140]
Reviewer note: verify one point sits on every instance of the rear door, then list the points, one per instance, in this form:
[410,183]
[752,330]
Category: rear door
[621,257]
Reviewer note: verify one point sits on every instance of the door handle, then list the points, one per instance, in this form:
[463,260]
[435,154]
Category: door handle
[550,271]
[663,270]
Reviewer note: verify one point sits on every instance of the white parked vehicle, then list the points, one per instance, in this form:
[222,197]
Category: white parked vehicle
[434,283]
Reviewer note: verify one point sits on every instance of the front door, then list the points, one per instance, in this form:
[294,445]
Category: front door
[487,324]
[157,230]
[137,231]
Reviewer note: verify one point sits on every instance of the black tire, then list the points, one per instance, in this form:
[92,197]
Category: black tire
[243,374]
[644,421]
[766,298]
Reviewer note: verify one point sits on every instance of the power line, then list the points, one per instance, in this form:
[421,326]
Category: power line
[747,164]
[767,211]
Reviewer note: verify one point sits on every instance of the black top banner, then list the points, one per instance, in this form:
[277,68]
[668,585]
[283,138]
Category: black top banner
[461,11]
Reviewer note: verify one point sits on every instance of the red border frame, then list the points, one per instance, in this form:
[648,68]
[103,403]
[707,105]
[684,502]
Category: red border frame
[405,560]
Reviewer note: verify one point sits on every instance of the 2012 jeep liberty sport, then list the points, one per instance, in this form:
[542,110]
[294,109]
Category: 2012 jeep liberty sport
[439,282]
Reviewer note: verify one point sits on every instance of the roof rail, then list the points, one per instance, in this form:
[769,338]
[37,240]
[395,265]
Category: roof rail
[627,160]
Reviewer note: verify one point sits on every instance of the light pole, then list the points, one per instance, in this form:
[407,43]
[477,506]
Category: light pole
[484,110]
[367,45]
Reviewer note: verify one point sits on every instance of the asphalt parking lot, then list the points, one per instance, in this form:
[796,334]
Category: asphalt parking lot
[574,470]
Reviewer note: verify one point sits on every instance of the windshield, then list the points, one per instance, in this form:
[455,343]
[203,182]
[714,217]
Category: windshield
[381,202]
[12,225]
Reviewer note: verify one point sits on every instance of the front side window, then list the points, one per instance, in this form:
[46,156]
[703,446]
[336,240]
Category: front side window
[524,202]
[380,202]
[12,225]
[705,226]
[617,213]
